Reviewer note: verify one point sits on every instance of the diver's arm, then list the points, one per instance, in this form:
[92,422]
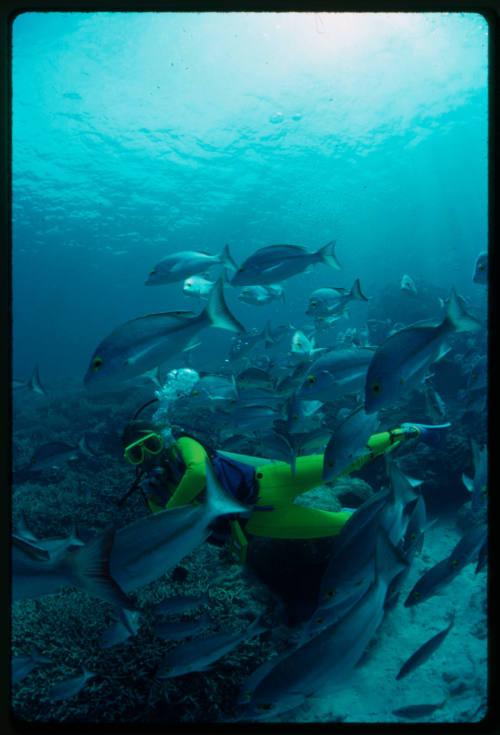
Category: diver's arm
[194,478]
[380,443]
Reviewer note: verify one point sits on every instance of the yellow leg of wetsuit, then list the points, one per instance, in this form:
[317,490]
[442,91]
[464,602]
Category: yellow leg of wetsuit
[278,487]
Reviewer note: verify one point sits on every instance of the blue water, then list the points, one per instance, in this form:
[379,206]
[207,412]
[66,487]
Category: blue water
[139,135]
[136,135]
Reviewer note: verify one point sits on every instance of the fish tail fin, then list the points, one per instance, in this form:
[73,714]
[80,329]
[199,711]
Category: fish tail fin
[467,481]
[327,255]
[227,259]
[85,448]
[218,312]
[90,567]
[388,561]
[256,627]
[38,657]
[404,487]
[34,382]
[266,334]
[356,292]
[458,318]
[87,673]
[219,502]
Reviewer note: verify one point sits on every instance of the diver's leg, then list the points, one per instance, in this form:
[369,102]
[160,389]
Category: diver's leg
[296,521]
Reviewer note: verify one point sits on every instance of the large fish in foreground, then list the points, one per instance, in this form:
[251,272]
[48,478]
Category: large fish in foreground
[38,571]
[150,546]
[402,360]
[278,262]
[330,655]
[142,344]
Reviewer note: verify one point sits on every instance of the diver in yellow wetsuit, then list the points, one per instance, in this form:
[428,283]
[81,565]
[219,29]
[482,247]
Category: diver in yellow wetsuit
[177,476]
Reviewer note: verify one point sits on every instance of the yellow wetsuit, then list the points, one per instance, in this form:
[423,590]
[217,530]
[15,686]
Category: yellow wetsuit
[277,486]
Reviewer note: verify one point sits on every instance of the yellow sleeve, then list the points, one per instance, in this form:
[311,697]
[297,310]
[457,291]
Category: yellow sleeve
[377,444]
[194,478]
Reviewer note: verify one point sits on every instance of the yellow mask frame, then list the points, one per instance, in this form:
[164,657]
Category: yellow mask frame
[151,443]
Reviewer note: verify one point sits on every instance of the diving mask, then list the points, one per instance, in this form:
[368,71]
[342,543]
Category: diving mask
[151,443]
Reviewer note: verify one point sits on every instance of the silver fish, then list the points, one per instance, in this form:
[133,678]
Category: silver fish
[37,572]
[478,485]
[481,269]
[278,262]
[52,454]
[21,666]
[254,377]
[402,360]
[350,569]
[331,654]
[121,630]
[335,374]
[478,376]
[303,349]
[200,653]
[176,630]
[181,604]
[423,652]
[447,569]
[183,264]
[302,415]
[408,284]
[330,302]
[262,295]
[70,687]
[143,343]
[252,416]
[348,442]
[148,547]
[418,711]
[198,287]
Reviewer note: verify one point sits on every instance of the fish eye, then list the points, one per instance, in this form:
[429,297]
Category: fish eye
[313,303]
[97,363]
[376,389]
[265,706]
[295,416]
[240,269]
[311,379]
[153,272]
[481,266]
[195,392]
[331,463]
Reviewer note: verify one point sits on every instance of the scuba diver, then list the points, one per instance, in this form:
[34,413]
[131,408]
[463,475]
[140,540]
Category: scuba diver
[175,475]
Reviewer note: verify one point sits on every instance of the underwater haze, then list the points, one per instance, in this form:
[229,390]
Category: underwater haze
[136,135]
[264,236]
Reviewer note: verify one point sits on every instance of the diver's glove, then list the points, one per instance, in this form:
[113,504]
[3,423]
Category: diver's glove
[435,435]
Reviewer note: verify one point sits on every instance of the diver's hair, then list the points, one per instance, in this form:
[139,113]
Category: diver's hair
[135,429]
